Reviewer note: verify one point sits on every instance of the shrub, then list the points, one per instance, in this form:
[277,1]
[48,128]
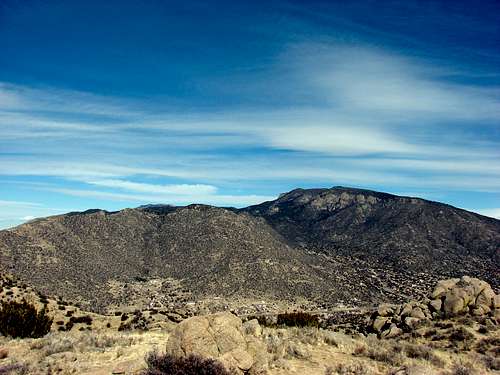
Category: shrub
[488,344]
[124,327]
[483,330]
[298,319]
[69,325]
[391,355]
[192,365]
[58,344]
[21,319]
[81,319]
[423,352]
[348,369]
[491,362]
[13,369]
[462,369]
[461,334]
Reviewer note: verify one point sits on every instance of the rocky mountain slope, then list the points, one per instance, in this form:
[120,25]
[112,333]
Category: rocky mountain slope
[400,232]
[306,247]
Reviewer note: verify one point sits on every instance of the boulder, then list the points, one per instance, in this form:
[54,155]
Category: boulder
[436,304]
[481,310]
[485,298]
[393,331]
[496,301]
[411,322]
[386,309]
[407,309]
[220,336]
[451,297]
[252,327]
[496,315]
[454,302]
[379,323]
[442,287]
[417,313]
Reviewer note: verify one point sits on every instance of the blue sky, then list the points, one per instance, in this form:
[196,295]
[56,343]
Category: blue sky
[126,103]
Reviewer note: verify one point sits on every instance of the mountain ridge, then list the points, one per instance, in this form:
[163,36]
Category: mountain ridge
[308,244]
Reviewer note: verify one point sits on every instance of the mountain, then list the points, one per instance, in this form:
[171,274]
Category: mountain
[402,232]
[319,247]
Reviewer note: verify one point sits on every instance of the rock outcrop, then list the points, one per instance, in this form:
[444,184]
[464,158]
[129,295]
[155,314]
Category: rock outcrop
[220,336]
[448,299]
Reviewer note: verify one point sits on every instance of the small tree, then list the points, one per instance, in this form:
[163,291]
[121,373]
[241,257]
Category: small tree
[21,319]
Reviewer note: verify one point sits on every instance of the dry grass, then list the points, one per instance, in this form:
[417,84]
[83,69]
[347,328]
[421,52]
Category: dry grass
[86,353]
[353,368]
[291,351]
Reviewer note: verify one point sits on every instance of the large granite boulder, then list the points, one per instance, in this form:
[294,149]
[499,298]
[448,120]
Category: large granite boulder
[449,298]
[465,295]
[220,336]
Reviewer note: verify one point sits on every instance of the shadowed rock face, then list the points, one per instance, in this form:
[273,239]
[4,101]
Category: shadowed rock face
[307,244]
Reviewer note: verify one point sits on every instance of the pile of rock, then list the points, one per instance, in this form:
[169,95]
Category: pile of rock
[449,298]
[221,336]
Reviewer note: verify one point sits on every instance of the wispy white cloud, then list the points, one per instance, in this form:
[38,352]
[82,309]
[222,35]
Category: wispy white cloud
[18,204]
[23,98]
[371,79]
[176,189]
[380,120]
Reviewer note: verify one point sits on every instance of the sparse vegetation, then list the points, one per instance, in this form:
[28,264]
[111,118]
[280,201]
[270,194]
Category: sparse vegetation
[158,364]
[423,352]
[298,319]
[462,368]
[13,369]
[347,369]
[21,319]
[87,319]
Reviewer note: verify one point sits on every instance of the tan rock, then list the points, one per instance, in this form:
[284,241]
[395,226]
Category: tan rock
[393,331]
[237,359]
[478,285]
[407,309]
[496,301]
[496,315]
[436,304]
[411,322]
[220,336]
[485,298]
[417,313]
[453,303]
[386,309]
[252,327]
[442,287]
[379,323]
[481,310]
